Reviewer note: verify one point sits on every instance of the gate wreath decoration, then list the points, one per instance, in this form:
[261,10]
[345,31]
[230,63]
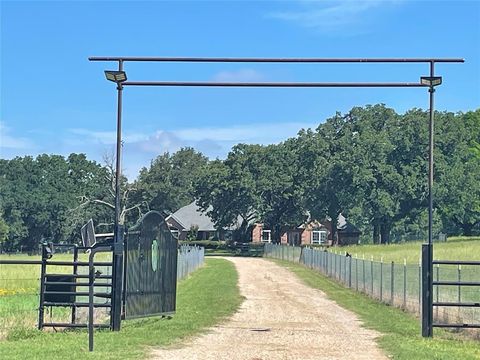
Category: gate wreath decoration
[431,81]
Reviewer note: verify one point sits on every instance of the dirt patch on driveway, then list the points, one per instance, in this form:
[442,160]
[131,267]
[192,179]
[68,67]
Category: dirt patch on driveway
[281,318]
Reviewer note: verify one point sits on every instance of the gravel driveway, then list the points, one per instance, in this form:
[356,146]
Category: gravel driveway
[281,318]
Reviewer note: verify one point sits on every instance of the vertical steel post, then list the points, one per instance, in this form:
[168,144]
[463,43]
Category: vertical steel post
[381,279]
[356,273]
[117,271]
[91,284]
[427,258]
[124,282]
[371,275]
[363,265]
[404,283]
[349,271]
[427,293]
[75,272]
[437,288]
[392,283]
[459,278]
[43,270]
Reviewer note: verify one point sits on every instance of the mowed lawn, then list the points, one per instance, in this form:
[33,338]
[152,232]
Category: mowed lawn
[204,298]
[453,249]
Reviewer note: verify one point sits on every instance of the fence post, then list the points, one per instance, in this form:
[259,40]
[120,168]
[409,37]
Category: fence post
[356,272]
[381,279]
[459,273]
[437,288]
[327,254]
[419,285]
[392,282]
[349,271]
[363,277]
[371,275]
[335,258]
[43,270]
[427,291]
[404,283]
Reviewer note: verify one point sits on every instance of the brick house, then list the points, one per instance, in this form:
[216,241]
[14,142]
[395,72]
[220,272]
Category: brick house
[312,233]
[315,232]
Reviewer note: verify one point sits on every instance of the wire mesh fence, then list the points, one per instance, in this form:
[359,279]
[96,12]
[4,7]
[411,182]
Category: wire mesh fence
[396,284]
[190,258]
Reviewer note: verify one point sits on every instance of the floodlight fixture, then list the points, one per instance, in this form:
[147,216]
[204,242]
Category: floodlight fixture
[116,76]
[431,80]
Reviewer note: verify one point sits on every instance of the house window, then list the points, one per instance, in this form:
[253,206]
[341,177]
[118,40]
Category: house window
[175,232]
[319,237]
[266,236]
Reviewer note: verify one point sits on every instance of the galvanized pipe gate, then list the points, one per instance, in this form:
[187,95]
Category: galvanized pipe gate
[146,287]
[431,81]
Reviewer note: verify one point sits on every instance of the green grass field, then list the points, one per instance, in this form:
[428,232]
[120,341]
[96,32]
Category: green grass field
[19,288]
[401,331]
[214,283]
[453,249]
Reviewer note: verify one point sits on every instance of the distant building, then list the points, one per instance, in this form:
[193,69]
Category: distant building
[312,233]
[191,217]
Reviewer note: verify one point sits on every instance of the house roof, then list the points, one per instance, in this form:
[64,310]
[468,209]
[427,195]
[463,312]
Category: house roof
[191,215]
[346,227]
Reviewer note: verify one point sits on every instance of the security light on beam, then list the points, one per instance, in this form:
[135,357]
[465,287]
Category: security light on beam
[431,80]
[116,76]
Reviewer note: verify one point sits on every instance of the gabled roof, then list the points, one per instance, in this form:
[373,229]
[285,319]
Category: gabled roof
[346,227]
[178,221]
[191,215]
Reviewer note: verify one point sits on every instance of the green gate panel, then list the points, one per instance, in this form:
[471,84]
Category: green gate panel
[151,275]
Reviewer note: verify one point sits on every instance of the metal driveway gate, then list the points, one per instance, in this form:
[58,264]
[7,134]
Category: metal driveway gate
[151,268]
[119,77]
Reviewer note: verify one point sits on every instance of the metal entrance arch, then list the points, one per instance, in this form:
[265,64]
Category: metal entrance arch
[151,268]
[431,81]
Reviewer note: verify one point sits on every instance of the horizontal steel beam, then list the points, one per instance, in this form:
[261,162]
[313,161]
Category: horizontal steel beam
[455,262]
[79,263]
[472,326]
[268,84]
[459,304]
[78,293]
[275,60]
[76,283]
[69,325]
[51,262]
[82,276]
[457,283]
[20,262]
[76,304]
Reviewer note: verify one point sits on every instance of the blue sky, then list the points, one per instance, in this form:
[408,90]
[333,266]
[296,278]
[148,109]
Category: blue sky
[55,101]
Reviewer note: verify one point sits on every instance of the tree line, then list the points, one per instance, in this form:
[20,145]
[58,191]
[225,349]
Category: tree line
[369,164]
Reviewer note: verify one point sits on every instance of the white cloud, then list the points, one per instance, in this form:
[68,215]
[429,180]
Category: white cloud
[215,142]
[262,133]
[105,137]
[160,142]
[329,16]
[9,141]
[238,76]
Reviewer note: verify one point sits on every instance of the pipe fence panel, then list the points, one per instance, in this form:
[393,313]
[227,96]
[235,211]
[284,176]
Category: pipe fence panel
[397,284]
